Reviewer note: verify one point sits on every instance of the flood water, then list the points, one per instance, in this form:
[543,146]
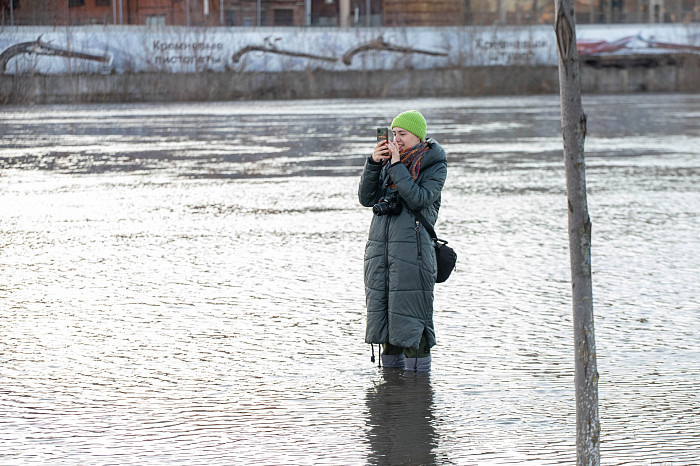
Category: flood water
[182,283]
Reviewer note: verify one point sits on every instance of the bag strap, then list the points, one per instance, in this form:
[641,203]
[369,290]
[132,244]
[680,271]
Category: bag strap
[428,227]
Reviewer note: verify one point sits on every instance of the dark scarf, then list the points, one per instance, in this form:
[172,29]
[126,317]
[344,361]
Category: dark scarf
[412,157]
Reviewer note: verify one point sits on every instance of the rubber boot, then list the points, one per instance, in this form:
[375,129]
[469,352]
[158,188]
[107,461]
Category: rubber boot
[418,364]
[393,361]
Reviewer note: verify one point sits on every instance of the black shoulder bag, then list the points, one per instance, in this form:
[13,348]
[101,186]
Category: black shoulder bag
[446,256]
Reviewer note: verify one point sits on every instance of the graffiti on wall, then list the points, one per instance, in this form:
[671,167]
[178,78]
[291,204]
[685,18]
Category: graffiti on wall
[39,47]
[92,50]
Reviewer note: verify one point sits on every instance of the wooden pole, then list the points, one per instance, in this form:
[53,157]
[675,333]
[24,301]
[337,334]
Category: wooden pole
[573,122]
[344,13]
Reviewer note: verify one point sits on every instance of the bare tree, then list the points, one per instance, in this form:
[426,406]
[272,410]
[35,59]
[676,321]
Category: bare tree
[573,122]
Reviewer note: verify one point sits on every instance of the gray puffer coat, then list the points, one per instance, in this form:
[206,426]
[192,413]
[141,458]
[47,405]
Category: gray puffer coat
[400,267]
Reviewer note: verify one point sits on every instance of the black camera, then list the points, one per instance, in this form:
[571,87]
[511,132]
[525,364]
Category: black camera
[387,206]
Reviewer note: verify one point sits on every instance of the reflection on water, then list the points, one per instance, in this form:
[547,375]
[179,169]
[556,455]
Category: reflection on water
[400,419]
[183,283]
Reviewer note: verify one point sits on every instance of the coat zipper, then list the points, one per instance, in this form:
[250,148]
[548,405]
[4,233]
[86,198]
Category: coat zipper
[418,238]
[386,260]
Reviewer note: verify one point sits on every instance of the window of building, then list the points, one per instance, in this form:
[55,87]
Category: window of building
[283,17]
[75,3]
[155,20]
[102,2]
[229,17]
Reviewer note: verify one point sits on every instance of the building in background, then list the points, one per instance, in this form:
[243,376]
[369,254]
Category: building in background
[155,12]
[338,13]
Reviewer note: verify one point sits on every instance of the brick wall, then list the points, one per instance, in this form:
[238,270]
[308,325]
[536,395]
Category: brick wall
[423,12]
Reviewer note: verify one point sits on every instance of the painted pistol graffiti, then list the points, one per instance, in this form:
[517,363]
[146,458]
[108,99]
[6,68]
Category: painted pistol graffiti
[271,47]
[38,47]
[380,44]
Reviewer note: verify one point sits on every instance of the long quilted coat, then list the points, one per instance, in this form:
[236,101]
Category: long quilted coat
[399,265]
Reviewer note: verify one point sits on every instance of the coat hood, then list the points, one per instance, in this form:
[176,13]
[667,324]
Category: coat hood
[436,154]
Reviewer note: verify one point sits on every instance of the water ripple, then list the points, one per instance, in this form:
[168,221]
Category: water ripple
[183,283]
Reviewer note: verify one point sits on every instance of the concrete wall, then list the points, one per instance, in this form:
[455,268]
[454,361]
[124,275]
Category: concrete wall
[660,73]
[682,74]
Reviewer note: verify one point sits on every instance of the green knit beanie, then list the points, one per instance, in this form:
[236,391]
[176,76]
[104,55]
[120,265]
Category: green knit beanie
[411,121]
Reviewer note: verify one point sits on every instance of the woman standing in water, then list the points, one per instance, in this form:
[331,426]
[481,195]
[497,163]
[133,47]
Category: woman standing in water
[402,177]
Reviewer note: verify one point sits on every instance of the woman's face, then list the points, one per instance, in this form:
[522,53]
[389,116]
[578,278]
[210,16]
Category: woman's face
[404,139]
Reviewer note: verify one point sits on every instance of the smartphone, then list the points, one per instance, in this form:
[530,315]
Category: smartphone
[383,134]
